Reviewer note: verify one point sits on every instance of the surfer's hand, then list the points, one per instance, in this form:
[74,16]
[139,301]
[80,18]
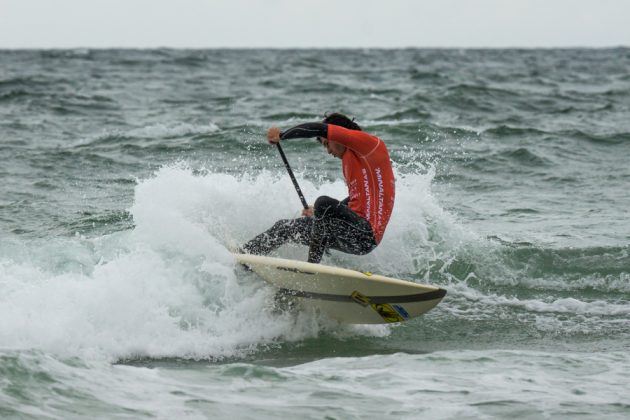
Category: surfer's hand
[273,135]
[308,212]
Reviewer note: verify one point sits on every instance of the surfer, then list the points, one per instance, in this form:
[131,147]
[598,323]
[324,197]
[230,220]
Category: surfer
[354,225]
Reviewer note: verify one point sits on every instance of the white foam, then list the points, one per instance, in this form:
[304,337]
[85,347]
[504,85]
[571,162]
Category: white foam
[175,129]
[167,288]
[140,303]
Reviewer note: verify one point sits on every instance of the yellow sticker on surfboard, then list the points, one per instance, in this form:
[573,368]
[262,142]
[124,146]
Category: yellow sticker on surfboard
[385,310]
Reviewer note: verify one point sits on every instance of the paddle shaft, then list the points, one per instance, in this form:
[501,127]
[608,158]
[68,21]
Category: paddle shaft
[295,183]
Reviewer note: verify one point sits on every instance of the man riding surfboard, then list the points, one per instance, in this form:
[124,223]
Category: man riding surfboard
[354,225]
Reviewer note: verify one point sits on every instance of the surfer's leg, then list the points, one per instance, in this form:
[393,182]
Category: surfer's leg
[338,227]
[283,231]
[320,234]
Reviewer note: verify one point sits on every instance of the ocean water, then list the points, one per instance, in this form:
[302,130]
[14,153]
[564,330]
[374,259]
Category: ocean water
[128,174]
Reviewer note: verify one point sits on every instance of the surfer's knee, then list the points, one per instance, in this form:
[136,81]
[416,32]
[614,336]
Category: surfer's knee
[322,204]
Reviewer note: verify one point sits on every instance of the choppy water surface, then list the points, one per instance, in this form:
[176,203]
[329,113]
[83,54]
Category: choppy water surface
[127,175]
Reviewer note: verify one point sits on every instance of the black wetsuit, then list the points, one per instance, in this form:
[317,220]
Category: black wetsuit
[333,225]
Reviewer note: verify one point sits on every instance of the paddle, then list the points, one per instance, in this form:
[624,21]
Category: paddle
[295,183]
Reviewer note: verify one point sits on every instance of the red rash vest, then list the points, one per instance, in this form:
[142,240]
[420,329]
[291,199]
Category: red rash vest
[369,176]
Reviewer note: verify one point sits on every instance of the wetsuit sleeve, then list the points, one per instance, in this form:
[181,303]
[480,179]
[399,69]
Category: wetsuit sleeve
[360,142]
[305,130]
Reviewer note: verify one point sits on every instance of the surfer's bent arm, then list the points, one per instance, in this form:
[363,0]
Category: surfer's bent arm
[359,141]
[306,130]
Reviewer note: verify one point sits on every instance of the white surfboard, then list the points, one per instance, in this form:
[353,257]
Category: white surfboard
[348,296]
